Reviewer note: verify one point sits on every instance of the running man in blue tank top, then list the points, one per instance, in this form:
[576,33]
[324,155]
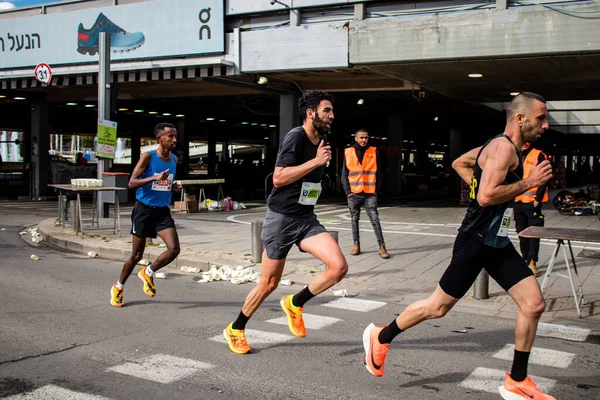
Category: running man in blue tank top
[495,173]
[153,177]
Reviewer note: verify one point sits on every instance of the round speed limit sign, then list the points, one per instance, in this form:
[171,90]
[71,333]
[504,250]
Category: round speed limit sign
[43,73]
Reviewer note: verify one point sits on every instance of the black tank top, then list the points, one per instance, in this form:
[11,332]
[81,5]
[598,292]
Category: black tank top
[484,222]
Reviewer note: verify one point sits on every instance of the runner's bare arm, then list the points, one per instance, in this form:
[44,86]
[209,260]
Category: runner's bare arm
[283,176]
[139,169]
[500,158]
[464,164]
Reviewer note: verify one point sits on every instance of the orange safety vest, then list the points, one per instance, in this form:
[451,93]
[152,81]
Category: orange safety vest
[362,177]
[530,195]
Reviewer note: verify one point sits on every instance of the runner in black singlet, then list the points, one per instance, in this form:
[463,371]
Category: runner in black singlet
[495,173]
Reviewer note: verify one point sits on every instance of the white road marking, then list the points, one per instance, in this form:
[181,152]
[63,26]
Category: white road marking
[55,392]
[488,380]
[400,232]
[539,356]
[259,339]
[311,321]
[355,304]
[161,368]
[565,332]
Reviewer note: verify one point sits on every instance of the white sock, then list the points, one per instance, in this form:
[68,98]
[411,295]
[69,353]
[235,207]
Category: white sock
[119,285]
[149,271]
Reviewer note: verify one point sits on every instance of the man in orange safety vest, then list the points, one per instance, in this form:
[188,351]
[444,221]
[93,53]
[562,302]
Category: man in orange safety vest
[528,208]
[362,175]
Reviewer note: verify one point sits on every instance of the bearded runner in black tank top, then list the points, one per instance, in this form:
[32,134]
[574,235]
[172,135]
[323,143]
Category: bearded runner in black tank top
[486,222]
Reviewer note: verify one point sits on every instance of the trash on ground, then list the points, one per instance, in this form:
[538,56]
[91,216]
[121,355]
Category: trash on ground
[34,257]
[92,254]
[185,268]
[235,275]
[160,275]
[286,282]
[3,229]
[339,293]
[460,331]
[35,235]
[144,261]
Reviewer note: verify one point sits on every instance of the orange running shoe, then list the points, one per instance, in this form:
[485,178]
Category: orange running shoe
[236,339]
[149,287]
[527,389]
[116,296]
[294,314]
[375,352]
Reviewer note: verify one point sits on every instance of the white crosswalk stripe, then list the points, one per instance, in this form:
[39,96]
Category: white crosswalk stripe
[488,380]
[311,321]
[55,392]
[565,332]
[539,356]
[259,339]
[161,368]
[352,304]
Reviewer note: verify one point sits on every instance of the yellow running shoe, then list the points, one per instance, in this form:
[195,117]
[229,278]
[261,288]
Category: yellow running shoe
[294,314]
[116,296]
[236,339]
[149,287]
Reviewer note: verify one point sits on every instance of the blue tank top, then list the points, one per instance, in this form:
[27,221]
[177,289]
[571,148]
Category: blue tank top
[157,193]
[485,222]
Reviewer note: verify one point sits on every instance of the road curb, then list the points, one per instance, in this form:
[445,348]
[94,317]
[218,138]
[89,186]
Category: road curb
[120,251]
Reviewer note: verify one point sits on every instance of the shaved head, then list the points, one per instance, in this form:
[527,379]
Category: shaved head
[522,103]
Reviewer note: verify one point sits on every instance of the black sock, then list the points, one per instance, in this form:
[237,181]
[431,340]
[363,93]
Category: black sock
[299,299]
[389,333]
[519,367]
[240,322]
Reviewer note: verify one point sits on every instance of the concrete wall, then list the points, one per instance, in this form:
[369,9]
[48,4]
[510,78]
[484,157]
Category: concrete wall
[301,47]
[474,34]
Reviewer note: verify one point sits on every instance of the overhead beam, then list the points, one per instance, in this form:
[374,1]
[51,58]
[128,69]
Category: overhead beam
[559,105]
[575,130]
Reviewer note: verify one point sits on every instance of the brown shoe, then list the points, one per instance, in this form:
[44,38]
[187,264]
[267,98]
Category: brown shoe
[355,249]
[383,252]
[533,268]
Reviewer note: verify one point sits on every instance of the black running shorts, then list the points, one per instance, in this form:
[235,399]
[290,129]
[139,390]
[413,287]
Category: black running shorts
[470,255]
[280,232]
[146,221]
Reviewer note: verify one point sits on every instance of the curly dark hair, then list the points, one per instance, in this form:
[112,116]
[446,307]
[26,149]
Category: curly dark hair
[311,100]
[158,129]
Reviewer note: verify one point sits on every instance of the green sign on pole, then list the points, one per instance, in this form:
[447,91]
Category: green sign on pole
[107,139]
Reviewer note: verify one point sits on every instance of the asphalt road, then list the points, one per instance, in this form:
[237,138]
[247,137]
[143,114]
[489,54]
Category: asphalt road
[60,339]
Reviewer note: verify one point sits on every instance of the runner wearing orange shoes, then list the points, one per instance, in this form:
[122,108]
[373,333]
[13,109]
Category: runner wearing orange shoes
[290,219]
[495,172]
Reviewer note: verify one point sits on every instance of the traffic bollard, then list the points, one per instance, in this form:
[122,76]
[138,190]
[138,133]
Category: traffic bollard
[481,286]
[257,247]
[62,209]
[74,217]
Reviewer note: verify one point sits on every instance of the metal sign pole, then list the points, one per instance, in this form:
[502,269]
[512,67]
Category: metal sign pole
[103,106]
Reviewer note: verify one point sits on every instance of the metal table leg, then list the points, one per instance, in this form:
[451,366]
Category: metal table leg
[551,264]
[117,212]
[576,297]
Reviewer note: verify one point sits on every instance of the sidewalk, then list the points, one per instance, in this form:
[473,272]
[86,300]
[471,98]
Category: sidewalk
[418,237]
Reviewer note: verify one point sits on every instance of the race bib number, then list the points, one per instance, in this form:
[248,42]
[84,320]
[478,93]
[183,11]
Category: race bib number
[310,193]
[163,186]
[505,223]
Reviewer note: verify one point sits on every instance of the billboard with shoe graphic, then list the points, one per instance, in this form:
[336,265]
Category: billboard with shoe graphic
[147,30]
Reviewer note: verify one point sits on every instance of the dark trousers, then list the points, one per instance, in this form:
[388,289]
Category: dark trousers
[369,201]
[527,215]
